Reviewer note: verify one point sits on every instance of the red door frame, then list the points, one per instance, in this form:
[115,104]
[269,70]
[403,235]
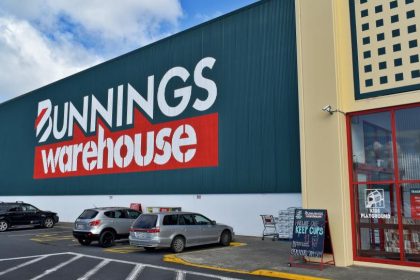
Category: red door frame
[396,183]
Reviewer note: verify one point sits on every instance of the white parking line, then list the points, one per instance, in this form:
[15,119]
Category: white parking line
[180,274]
[22,265]
[51,270]
[94,270]
[135,272]
[36,256]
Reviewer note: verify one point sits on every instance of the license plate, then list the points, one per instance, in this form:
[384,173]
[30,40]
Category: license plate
[140,234]
[79,226]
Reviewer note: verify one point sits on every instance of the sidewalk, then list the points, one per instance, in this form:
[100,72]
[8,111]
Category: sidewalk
[270,258]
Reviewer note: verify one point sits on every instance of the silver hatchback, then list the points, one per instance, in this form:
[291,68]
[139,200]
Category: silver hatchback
[177,230]
[104,225]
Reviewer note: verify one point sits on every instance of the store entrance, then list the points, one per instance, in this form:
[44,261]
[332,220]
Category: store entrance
[384,152]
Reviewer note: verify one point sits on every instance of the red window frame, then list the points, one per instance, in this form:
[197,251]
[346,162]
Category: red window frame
[396,182]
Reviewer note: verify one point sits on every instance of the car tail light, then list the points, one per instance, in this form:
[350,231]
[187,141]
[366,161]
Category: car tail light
[150,230]
[153,230]
[95,223]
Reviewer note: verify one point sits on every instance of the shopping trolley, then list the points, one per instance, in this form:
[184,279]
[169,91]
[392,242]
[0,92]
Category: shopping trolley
[270,227]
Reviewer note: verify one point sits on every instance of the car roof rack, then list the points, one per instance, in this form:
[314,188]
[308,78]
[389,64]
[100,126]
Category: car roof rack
[19,201]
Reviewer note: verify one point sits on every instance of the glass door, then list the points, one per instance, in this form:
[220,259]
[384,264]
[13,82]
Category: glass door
[385,185]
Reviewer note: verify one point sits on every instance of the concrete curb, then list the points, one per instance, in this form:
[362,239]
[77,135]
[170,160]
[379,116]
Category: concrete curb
[260,272]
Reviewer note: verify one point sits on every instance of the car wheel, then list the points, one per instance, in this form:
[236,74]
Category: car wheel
[106,239]
[48,223]
[225,238]
[84,242]
[149,248]
[178,244]
[4,225]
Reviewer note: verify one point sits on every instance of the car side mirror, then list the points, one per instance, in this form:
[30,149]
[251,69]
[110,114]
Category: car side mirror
[213,222]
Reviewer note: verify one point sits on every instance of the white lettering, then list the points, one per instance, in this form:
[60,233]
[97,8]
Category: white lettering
[183,93]
[46,117]
[81,119]
[207,84]
[97,107]
[60,134]
[178,142]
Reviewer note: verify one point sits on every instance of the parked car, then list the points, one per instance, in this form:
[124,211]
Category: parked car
[20,213]
[104,225]
[177,230]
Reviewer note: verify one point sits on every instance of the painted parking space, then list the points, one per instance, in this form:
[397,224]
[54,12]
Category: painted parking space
[50,237]
[124,249]
[70,265]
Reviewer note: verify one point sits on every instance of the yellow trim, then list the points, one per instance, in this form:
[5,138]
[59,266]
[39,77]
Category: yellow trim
[123,249]
[260,272]
[237,244]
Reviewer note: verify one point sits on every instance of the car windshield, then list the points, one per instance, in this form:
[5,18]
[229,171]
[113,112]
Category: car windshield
[145,221]
[88,214]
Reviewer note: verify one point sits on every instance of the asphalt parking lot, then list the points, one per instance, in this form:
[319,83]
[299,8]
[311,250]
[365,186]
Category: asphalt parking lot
[37,253]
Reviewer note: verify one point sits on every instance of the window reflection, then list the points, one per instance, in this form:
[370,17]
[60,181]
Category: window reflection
[408,139]
[372,147]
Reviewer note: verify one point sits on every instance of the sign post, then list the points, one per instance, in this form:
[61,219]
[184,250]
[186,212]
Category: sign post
[311,238]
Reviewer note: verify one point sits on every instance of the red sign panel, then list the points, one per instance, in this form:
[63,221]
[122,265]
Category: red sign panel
[415,203]
[186,143]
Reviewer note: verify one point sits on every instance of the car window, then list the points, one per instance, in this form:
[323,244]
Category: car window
[88,214]
[120,214]
[110,214]
[132,214]
[170,220]
[145,221]
[186,220]
[16,209]
[30,208]
[201,220]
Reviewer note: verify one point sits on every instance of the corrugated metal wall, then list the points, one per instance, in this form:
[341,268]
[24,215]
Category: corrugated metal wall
[257,106]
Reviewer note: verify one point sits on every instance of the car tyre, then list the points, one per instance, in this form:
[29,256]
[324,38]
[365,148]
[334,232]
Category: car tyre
[107,238]
[4,225]
[149,248]
[225,238]
[178,244]
[48,223]
[84,242]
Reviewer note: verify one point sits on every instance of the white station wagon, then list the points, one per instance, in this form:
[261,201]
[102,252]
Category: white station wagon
[177,230]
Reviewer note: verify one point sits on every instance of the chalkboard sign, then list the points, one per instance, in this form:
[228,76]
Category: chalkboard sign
[309,233]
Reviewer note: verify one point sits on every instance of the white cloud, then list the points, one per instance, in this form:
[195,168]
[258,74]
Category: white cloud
[29,61]
[44,40]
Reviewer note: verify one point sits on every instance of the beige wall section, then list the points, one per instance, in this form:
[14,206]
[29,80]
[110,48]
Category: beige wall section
[323,137]
[326,77]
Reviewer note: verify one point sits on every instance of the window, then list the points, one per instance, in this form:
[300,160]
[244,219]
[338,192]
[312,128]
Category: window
[31,208]
[88,214]
[16,209]
[170,220]
[145,221]
[201,220]
[120,214]
[132,214]
[110,214]
[385,185]
[186,220]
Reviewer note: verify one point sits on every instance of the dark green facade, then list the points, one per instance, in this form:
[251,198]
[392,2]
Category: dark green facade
[257,106]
